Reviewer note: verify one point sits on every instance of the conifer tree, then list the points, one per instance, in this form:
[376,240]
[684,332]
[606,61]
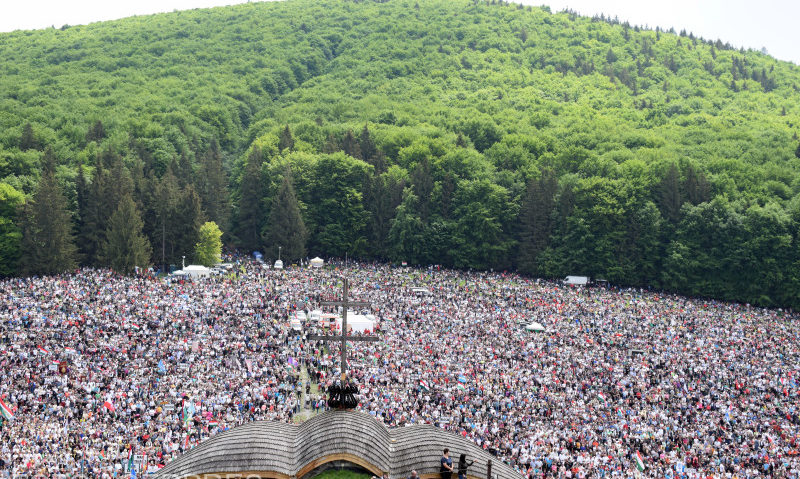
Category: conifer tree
[331,145]
[251,208]
[286,141]
[82,200]
[27,141]
[94,217]
[670,198]
[367,146]
[96,132]
[423,187]
[47,240]
[166,196]
[125,247]
[696,186]
[350,145]
[536,221]
[286,226]
[214,186]
[10,235]
[187,220]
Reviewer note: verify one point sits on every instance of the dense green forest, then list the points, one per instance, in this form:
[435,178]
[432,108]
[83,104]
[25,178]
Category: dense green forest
[470,134]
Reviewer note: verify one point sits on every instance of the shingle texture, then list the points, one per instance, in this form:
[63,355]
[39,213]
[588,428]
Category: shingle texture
[288,449]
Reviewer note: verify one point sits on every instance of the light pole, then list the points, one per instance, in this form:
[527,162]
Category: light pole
[183,262]
[279,252]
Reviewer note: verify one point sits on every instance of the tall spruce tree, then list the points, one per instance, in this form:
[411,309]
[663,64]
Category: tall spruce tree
[213,182]
[286,226]
[94,217]
[286,141]
[82,200]
[536,221]
[251,216]
[10,235]
[670,196]
[96,132]
[350,145]
[125,247]
[167,196]
[187,219]
[423,187]
[696,186]
[367,146]
[47,240]
[27,140]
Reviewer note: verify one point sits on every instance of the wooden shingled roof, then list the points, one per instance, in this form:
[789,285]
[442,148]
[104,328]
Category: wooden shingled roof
[278,450]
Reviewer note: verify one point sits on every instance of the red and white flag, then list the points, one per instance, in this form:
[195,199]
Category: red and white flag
[6,411]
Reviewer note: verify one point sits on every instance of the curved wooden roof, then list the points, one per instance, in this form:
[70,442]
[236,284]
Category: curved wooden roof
[266,449]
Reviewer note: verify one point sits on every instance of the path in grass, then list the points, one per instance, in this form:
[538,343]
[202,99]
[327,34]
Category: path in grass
[305,412]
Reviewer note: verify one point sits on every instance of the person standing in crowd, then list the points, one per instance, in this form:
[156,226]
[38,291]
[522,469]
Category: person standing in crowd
[446,465]
[463,465]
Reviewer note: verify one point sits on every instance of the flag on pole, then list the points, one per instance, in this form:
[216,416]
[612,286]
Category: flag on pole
[42,350]
[109,406]
[424,385]
[637,458]
[6,411]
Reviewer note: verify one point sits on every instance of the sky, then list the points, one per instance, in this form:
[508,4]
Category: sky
[769,24]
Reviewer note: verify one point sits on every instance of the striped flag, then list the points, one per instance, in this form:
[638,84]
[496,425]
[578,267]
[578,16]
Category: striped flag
[6,411]
[213,423]
[637,458]
[424,385]
[42,350]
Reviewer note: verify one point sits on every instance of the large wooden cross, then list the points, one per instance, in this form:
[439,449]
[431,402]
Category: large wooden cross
[344,303]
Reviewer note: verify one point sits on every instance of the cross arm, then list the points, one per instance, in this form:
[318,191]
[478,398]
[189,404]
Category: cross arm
[316,337]
[349,304]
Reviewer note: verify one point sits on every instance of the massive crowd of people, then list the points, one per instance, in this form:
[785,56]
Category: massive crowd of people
[100,373]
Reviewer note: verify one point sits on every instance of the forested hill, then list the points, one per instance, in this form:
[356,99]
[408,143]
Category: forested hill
[462,133]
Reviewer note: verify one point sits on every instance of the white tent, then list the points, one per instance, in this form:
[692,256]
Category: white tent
[576,280]
[279,264]
[197,271]
[535,327]
[317,262]
[357,323]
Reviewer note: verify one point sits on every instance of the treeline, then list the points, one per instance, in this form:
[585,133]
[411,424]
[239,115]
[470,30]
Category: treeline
[460,133]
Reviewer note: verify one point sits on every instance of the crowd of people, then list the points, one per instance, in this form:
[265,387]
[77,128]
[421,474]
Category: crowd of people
[101,373]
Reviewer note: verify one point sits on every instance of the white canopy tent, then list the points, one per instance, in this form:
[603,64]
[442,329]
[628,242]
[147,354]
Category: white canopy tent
[535,327]
[278,264]
[576,280]
[357,323]
[317,262]
[197,271]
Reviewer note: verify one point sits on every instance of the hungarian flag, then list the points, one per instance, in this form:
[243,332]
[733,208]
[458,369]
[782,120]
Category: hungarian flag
[637,458]
[213,423]
[109,406]
[6,411]
[42,350]
[424,385]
